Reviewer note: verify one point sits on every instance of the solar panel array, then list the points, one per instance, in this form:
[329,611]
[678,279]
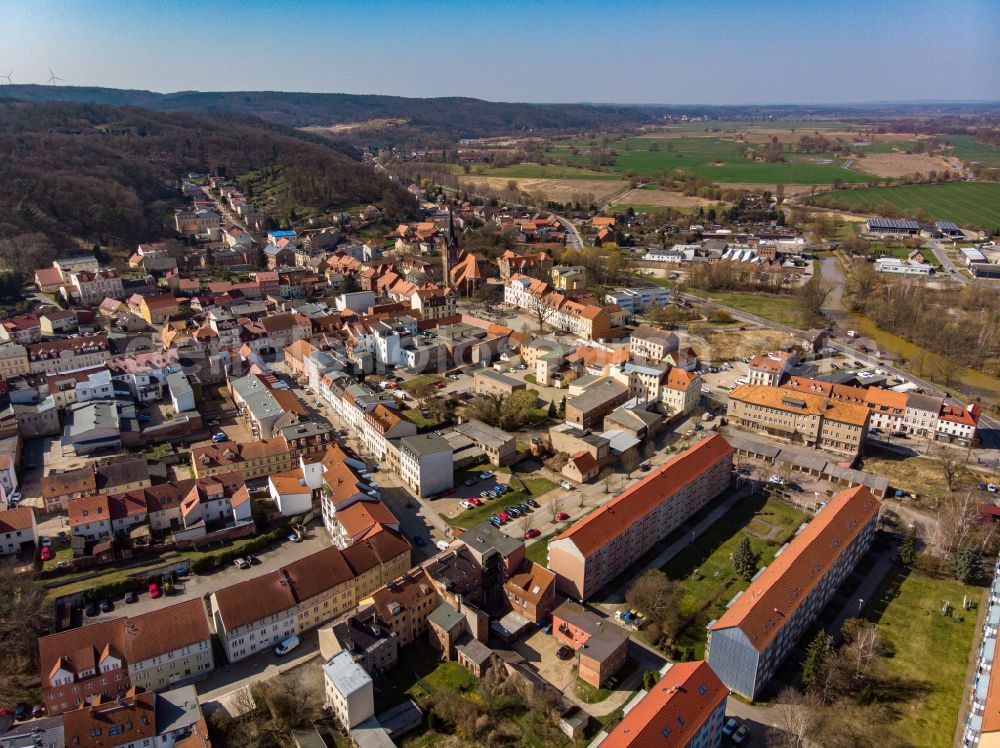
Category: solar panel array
[946,226]
[892,223]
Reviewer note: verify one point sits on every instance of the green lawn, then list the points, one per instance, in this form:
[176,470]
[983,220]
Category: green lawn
[539,551]
[966,203]
[420,672]
[931,653]
[717,159]
[784,310]
[705,572]
[421,379]
[901,253]
[471,517]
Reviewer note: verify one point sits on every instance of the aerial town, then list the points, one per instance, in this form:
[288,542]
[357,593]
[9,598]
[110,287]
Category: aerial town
[343,420]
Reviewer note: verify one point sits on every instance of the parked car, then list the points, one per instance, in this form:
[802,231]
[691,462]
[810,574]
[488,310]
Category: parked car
[418,540]
[495,521]
[286,646]
[90,610]
[475,502]
[513,512]
[794,486]
[252,559]
[466,504]
[874,432]
[220,437]
[741,734]
[38,711]
[214,422]
[777,480]
[241,563]
[730,727]
[106,605]
[566,484]
[131,597]
[46,542]
[504,516]
[564,652]
[448,492]
[45,554]
[439,385]
[486,475]
[533,503]
[486,495]
[560,516]
[471,481]
[442,545]
[534,532]
[991,487]
[154,590]
[22,710]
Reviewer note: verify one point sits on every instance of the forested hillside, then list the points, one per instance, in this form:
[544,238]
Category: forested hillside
[82,174]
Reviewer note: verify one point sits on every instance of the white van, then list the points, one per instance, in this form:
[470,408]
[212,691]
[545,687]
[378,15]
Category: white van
[442,545]
[287,646]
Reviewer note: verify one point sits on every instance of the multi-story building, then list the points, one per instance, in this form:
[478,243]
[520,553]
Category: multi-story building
[957,425]
[58,488]
[601,647]
[158,308]
[587,320]
[256,614]
[920,418]
[800,417]
[769,369]
[263,406]
[680,391]
[13,360]
[405,603]
[599,547]
[751,639]
[349,690]
[635,300]
[652,343]
[202,224]
[887,408]
[93,287]
[165,647]
[381,425]
[17,527]
[426,464]
[367,639]
[982,725]
[588,409]
[23,329]
[531,592]
[498,446]
[495,384]
[685,709]
[68,354]
[645,378]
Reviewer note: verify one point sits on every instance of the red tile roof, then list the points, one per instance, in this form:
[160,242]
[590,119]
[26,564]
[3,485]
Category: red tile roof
[254,599]
[781,588]
[166,629]
[604,524]
[12,520]
[89,726]
[673,711]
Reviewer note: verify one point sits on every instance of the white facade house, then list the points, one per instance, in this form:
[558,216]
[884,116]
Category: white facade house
[17,527]
[901,267]
[349,690]
[254,615]
[181,394]
[357,301]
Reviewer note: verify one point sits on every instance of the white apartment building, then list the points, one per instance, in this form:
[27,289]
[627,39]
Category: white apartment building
[349,690]
[426,464]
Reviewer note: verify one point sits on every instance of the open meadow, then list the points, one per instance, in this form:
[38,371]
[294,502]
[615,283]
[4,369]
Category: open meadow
[966,203]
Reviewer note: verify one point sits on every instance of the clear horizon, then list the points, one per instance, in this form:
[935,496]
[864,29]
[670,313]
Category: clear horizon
[676,53]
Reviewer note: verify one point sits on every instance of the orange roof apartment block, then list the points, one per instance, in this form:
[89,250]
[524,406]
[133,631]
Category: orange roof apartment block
[746,645]
[601,545]
[687,707]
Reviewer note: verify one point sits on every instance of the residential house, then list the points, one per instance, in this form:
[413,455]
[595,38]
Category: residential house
[381,425]
[265,405]
[349,691]
[920,418]
[426,464]
[770,369]
[94,426]
[13,360]
[59,322]
[588,409]
[59,487]
[366,638]
[680,391]
[652,343]
[493,384]
[23,329]
[68,354]
[158,308]
[601,646]
[17,528]
[498,446]
[90,288]
[531,592]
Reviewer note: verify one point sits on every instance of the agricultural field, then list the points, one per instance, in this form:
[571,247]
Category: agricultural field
[967,148]
[718,159]
[965,203]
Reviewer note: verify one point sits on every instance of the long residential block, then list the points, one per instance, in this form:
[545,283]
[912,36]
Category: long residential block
[604,543]
[746,645]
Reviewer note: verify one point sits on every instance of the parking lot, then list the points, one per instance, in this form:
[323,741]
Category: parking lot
[198,585]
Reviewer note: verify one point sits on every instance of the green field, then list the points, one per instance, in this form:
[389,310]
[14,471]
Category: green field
[969,149]
[966,203]
[784,310]
[717,159]
[920,636]
[704,570]
[548,171]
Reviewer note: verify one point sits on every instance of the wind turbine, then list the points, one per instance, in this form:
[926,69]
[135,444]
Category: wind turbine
[9,81]
[52,77]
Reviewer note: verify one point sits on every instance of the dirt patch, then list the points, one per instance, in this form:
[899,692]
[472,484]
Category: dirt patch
[901,164]
[559,190]
[790,190]
[664,198]
[731,343]
[372,124]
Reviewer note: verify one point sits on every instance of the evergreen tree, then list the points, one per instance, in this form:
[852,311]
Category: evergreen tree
[552,409]
[261,260]
[348,284]
[817,659]
[744,561]
[968,564]
[908,547]
[562,407]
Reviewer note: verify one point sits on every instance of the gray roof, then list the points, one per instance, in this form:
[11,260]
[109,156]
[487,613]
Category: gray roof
[46,732]
[177,709]
[597,395]
[445,616]
[305,429]
[632,417]
[345,675]
[484,537]
[927,403]
[501,378]
[605,636]
[740,441]
[121,472]
[178,384]
[483,433]
[802,458]
[426,444]
[258,398]
[475,650]
[621,441]
[96,414]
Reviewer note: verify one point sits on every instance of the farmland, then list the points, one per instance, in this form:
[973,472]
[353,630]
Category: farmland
[717,159]
[969,149]
[967,203]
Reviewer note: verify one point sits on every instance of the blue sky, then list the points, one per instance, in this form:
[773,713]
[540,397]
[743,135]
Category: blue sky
[671,51]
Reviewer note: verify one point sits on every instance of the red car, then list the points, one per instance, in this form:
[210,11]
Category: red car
[504,517]
[534,532]
[46,553]
[154,591]
[475,502]
[448,492]
[561,516]
[439,385]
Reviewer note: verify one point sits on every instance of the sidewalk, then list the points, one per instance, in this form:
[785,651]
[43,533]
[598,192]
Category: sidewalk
[618,596]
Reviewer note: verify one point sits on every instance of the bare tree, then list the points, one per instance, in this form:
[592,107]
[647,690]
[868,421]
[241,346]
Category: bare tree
[556,506]
[540,311]
[629,461]
[655,595]
[792,712]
